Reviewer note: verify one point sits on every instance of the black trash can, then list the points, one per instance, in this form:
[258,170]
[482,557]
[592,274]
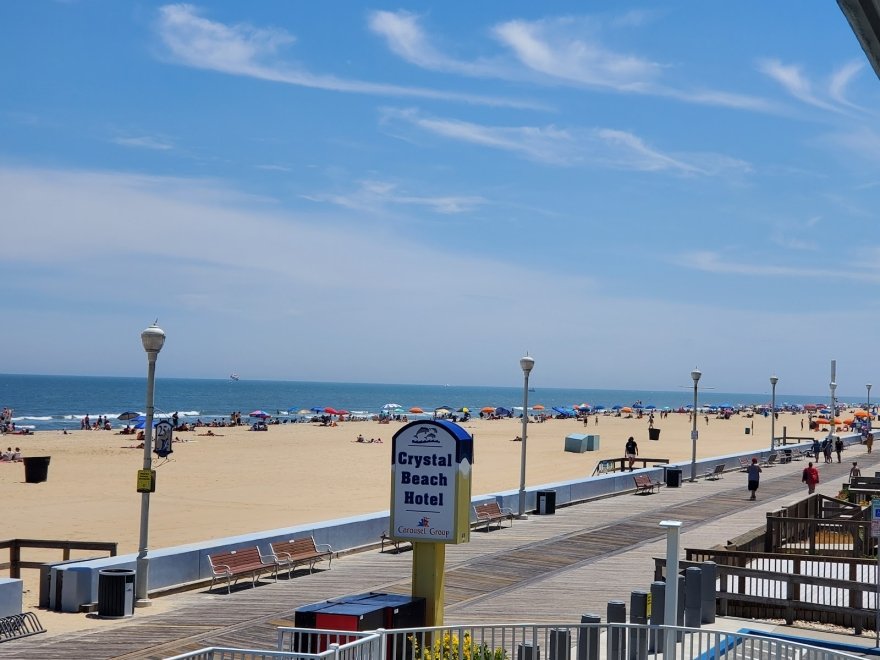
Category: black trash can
[115,592]
[36,469]
[653,434]
[546,502]
[673,477]
[748,430]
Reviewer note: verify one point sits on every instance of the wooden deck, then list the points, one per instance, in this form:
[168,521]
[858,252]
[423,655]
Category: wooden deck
[547,569]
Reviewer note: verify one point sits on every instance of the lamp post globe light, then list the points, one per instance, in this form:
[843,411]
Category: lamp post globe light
[526,364]
[153,338]
[773,381]
[695,374]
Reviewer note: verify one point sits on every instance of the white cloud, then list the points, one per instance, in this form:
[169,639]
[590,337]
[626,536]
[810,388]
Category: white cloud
[563,147]
[144,142]
[712,262]
[243,50]
[794,81]
[375,196]
[841,79]
[547,46]
[554,51]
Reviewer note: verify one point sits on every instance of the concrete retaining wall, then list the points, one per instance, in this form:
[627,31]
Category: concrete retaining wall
[180,565]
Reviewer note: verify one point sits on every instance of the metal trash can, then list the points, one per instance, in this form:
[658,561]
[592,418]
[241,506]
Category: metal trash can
[653,434]
[748,430]
[115,593]
[36,469]
[673,477]
[546,502]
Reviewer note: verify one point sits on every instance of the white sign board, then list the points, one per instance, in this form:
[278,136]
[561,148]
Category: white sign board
[430,482]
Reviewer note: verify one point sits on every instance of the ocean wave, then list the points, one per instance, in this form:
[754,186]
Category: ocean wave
[47,418]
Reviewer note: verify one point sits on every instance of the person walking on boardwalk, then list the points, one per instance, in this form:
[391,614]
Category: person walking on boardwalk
[754,471]
[631,450]
[869,441]
[838,447]
[811,478]
[854,471]
[816,448]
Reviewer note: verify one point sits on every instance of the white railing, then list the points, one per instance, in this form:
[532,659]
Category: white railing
[525,641]
[324,645]
[606,641]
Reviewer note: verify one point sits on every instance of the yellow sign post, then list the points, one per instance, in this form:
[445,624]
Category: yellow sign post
[146,481]
[430,501]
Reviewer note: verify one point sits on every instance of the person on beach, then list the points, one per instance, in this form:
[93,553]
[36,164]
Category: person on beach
[854,471]
[754,476]
[631,451]
[838,447]
[811,478]
[869,441]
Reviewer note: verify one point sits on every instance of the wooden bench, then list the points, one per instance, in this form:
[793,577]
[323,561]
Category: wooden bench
[770,461]
[236,563]
[644,485]
[491,512]
[715,473]
[300,552]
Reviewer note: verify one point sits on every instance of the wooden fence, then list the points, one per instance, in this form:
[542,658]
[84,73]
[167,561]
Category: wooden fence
[15,546]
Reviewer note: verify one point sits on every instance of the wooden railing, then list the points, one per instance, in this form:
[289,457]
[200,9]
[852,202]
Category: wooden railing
[836,590]
[15,546]
[819,525]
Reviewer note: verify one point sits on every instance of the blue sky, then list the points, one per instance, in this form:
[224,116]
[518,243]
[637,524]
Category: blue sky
[359,192]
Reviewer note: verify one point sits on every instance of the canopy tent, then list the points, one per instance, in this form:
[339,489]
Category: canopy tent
[259,413]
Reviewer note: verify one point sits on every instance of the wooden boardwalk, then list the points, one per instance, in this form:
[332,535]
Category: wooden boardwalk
[545,569]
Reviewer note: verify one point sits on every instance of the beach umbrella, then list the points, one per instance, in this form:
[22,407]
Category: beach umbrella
[259,413]
[848,420]
[626,409]
[128,416]
[538,406]
[617,407]
[502,411]
[584,406]
[415,410]
[857,413]
[487,409]
[638,406]
[304,411]
[391,406]
[317,409]
[331,411]
[650,406]
[463,410]
[599,407]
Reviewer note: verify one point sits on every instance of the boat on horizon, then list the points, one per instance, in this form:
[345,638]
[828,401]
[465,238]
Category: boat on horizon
[234,376]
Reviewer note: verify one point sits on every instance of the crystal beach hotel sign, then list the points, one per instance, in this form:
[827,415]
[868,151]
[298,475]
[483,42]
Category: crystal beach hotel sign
[431,482]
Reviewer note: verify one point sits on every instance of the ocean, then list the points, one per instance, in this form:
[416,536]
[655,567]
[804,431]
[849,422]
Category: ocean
[59,402]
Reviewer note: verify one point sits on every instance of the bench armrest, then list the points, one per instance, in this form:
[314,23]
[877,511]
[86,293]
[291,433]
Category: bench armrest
[220,569]
[507,511]
[318,547]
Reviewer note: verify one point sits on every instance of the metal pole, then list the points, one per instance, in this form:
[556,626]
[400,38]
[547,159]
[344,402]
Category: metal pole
[869,400]
[773,381]
[673,530]
[142,574]
[695,374]
[526,363]
[833,387]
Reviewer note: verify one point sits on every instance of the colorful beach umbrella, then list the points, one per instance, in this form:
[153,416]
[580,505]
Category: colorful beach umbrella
[259,413]
[487,409]
[626,409]
[415,410]
[857,413]
[128,416]
[537,406]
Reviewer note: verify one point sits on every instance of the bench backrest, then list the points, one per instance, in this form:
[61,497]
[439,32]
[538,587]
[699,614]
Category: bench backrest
[488,509]
[294,547]
[718,469]
[642,480]
[236,558]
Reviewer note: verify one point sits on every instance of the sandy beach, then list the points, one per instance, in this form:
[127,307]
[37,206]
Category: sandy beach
[240,481]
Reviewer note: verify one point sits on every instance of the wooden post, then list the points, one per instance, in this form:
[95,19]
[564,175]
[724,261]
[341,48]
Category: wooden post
[14,559]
